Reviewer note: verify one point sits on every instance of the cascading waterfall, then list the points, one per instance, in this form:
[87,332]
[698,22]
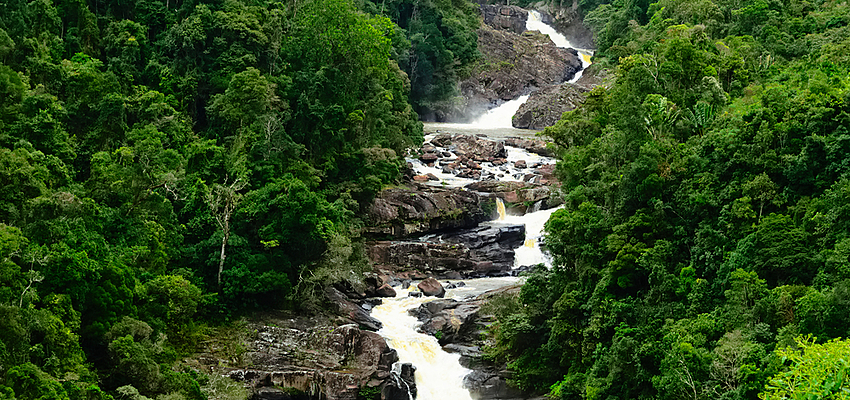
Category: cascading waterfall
[535,23]
[502,116]
[530,252]
[500,208]
[439,375]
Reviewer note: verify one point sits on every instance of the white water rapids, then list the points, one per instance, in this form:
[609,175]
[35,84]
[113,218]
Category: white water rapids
[439,375]
[502,116]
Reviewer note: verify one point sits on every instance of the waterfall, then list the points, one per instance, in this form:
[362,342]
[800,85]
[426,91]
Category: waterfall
[500,207]
[399,380]
[535,23]
[530,253]
[502,116]
[439,374]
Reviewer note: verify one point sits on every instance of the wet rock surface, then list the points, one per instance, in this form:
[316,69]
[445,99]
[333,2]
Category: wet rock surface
[459,326]
[419,209]
[518,192]
[449,319]
[545,106]
[431,287]
[474,253]
[513,65]
[567,20]
[535,146]
[481,159]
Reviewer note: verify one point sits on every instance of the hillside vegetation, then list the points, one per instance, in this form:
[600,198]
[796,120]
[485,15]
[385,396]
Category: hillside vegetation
[706,232]
[170,164]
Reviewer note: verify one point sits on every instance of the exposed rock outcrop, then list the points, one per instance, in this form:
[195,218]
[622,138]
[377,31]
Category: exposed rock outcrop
[403,212]
[512,65]
[479,252]
[545,106]
[511,18]
[341,305]
[454,320]
[493,244]
[317,362]
[517,192]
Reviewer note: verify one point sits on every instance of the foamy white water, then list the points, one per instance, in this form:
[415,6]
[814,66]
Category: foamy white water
[507,172]
[530,252]
[535,23]
[585,62]
[501,116]
[439,375]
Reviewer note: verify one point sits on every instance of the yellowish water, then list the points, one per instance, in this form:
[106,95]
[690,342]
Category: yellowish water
[586,57]
[500,207]
[439,375]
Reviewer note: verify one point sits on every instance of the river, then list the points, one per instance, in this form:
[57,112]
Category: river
[439,375]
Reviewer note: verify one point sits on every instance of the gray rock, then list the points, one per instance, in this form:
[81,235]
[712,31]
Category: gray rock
[401,212]
[511,18]
[431,287]
[385,291]
[545,106]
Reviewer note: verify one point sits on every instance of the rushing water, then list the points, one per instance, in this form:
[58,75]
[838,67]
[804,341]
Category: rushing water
[510,172]
[535,23]
[439,375]
[501,116]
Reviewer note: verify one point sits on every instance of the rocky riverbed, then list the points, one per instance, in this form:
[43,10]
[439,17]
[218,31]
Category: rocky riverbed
[423,237]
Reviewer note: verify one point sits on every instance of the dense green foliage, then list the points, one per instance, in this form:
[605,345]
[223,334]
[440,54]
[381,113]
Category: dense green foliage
[706,218]
[166,162]
[443,45]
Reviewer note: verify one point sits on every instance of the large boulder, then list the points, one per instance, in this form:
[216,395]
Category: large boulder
[545,106]
[491,385]
[431,287]
[385,291]
[420,209]
[454,320]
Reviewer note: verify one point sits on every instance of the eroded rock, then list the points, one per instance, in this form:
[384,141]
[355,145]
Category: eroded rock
[431,287]
[403,212]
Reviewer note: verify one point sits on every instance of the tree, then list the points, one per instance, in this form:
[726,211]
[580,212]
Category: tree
[813,371]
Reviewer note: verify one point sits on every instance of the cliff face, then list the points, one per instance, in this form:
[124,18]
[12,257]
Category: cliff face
[513,63]
[546,105]
[566,19]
